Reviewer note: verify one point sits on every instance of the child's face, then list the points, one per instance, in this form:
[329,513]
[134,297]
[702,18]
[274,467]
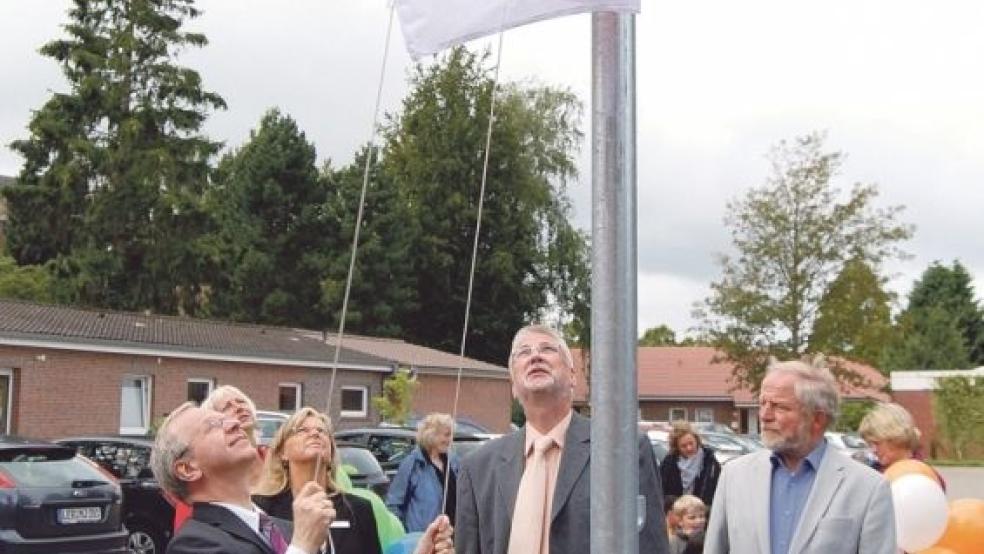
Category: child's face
[692,521]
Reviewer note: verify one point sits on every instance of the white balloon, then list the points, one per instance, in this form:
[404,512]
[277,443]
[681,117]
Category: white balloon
[921,512]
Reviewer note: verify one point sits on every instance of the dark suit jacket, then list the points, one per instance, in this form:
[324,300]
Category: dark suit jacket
[489,480]
[704,485]
[213,529]
[360,537]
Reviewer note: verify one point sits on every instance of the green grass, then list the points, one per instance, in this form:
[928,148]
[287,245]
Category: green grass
[956,463]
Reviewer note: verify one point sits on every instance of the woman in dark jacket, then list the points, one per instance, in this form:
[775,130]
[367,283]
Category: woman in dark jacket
[292,461]
[690,467]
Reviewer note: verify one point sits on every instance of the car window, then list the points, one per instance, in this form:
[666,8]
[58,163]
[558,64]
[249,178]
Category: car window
[390,449]
[39,468]
[360,459]
[124,461]
[267,428]
[853,441]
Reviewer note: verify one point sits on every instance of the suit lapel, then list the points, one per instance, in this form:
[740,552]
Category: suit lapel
[573,460]
[508,472]
[230,523]
[761,480]
[830,474]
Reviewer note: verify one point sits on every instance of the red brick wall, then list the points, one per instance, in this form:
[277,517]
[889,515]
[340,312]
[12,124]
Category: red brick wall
[920,405]
[487,401]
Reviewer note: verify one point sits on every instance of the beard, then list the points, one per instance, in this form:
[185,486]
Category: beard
[796,444]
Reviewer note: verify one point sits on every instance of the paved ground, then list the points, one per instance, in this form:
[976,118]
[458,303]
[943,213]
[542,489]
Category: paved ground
[963,482]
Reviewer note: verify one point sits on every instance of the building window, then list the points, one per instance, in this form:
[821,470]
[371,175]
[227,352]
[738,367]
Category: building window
[199,389]
[135,405]
[704,415]
[355,401]
[6,399]
[290,397]
[678,414]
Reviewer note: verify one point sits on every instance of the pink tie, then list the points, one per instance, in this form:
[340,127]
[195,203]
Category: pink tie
[530,523]
[272,534]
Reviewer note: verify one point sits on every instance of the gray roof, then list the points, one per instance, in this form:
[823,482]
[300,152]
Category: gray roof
[72,327]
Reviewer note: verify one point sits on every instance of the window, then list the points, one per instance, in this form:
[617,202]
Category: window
[678,414]
[199,389]
[290,397]
[135,405]
[354,401]
[6,399]
[704,415]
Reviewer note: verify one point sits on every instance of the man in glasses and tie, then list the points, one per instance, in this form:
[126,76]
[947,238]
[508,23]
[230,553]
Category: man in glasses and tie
[529,492]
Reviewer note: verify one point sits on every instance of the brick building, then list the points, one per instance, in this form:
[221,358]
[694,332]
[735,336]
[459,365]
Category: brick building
[685,383]
[914,391]
[68,371]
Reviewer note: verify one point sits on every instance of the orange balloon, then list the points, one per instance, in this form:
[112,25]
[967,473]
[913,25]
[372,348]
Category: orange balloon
[937,550]
[964,532]
[909,467]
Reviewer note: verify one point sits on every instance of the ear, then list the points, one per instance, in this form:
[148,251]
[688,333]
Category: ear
[187,470]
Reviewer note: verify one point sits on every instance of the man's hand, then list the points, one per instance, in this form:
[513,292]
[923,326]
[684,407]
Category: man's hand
[437,538]
[313,513]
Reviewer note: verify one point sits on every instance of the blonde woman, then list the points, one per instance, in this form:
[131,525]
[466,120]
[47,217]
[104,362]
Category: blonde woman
[892,434]
[292,461]
[417,492]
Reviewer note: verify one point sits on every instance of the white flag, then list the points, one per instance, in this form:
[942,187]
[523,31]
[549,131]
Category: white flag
[430,26]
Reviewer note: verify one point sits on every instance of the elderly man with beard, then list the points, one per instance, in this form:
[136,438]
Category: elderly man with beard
[529,492]
[798,495]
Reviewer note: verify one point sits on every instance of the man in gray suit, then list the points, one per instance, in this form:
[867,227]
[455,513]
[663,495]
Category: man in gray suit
[492,502]
[799,495]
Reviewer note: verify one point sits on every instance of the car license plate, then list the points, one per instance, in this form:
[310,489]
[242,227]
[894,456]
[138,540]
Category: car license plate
[79,515]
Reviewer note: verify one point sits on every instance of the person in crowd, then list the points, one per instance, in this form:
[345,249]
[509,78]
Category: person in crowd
[695,543]
[303,450]
[206,460]
[796,496]
[416,494]
[691,515]
[528,492]
[671,519]
[893,436]
[690,467]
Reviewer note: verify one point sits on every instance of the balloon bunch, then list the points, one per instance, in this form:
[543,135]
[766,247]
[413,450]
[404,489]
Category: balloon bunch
[924,523]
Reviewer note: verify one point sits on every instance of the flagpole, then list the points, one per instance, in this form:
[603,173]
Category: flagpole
[614,404]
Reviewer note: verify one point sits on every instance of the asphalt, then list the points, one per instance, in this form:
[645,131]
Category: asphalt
[963,482]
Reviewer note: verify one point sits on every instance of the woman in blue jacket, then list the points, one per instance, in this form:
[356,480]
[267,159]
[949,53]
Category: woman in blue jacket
[416,494]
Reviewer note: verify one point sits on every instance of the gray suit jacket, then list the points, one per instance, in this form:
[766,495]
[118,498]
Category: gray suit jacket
[489,480]
[849,509]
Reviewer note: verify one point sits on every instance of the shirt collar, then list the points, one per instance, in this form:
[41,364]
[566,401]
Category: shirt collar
[250,517]
[558,433]
[812,459]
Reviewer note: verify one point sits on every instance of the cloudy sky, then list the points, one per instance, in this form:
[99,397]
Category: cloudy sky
[897,85]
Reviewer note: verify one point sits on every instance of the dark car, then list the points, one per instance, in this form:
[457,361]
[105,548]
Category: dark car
[147,515]
[52,500]
[391,444]
[363,468]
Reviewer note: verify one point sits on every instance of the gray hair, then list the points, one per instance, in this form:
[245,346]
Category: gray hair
[815,386]
[212,402]
[892,423]
[540,329]
[430,426]
[168,449]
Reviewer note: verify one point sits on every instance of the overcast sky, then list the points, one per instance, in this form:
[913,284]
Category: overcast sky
[897,84]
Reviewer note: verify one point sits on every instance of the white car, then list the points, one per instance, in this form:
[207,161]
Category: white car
[851,445]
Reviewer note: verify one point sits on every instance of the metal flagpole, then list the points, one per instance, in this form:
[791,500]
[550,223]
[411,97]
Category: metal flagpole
[614,404]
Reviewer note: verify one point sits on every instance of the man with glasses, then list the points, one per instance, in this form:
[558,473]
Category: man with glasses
[529,492]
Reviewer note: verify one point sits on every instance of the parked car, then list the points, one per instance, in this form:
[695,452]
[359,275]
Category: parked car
[52,500]
[851,445]
[725,446]
[660,441]
[362,467]
[391,444]
[462,426]
[147,515]
[267,424]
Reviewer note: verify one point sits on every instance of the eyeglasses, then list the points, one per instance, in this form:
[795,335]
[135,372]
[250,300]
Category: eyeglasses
[527,350]
[311,431]
[226,424]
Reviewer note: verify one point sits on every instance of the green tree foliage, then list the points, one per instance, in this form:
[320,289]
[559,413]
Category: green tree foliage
[926,338]
[952,290]
[791,238]
[114,169]
[396,400]
[854,317]
[28,282]
[959,406]
[273,228]
[661,335]
[529,257]
[851,415]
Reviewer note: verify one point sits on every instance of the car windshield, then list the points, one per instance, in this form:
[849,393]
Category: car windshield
[360,459]
[48,468]
[854,441]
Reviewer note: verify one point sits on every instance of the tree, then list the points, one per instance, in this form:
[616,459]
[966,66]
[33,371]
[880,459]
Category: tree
[661,335]
[114,169]
[959,405]
[926,338]
[854,317]
[529,256]
[29,282]
[792,237]
[274,231]
[396,400]
[952,290]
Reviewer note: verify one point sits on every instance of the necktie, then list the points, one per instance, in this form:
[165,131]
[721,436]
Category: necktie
[272,534]
[530,523]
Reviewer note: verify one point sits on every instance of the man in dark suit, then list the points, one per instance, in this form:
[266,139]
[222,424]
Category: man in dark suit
[493,503]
